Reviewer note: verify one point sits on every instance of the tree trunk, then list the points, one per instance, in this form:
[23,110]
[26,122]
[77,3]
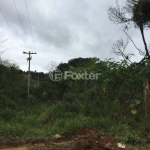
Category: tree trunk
[146,98]
[144,41]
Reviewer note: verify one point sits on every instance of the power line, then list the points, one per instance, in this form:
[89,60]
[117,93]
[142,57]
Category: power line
[19,18]
[9,26]
[29,23]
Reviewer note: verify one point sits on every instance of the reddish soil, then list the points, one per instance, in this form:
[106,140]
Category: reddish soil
[88,139]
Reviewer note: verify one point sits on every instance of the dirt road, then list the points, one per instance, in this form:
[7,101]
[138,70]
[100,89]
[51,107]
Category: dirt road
[88,139]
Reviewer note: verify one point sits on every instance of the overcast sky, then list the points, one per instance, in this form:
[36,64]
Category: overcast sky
[62,30]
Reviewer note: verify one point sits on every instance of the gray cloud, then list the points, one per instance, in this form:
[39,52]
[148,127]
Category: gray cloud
[62,30]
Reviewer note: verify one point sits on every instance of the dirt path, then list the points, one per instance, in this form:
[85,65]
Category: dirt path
[88,139]
[19,148]
[62,147]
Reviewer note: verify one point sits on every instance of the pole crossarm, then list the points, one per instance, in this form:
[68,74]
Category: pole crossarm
[29,52]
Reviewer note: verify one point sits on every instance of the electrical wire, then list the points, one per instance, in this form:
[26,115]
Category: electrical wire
[30,24]
[31,31]
[20,21]
[19,18]
[9,26]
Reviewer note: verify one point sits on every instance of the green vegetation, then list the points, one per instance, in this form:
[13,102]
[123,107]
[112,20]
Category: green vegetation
[113,103]
[43,121]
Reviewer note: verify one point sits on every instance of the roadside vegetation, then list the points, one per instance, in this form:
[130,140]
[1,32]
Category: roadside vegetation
[117,103]
[113,104]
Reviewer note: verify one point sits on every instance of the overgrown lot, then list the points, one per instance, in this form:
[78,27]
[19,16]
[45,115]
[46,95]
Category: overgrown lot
[113,103]
[44,120]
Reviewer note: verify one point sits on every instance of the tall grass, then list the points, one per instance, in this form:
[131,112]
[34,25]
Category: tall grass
[64,118]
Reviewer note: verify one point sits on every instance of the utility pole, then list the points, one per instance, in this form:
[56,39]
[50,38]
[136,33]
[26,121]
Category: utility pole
[38,81]
[28,59]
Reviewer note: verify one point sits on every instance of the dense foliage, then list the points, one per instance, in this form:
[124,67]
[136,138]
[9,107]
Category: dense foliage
[116,97]
[141,12]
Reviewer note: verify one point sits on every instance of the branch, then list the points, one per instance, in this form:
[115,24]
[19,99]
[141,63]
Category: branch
[144,41]
[119,48]
[118,14]
[134,43]
[133,1]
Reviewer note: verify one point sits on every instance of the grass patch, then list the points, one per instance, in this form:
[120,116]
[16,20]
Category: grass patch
[44,121]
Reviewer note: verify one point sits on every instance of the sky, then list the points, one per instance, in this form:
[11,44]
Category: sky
[60,30]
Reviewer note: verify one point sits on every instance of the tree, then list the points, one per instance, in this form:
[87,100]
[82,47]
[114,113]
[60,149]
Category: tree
[52,66]
[132,13]
[79,62]
[63,67]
